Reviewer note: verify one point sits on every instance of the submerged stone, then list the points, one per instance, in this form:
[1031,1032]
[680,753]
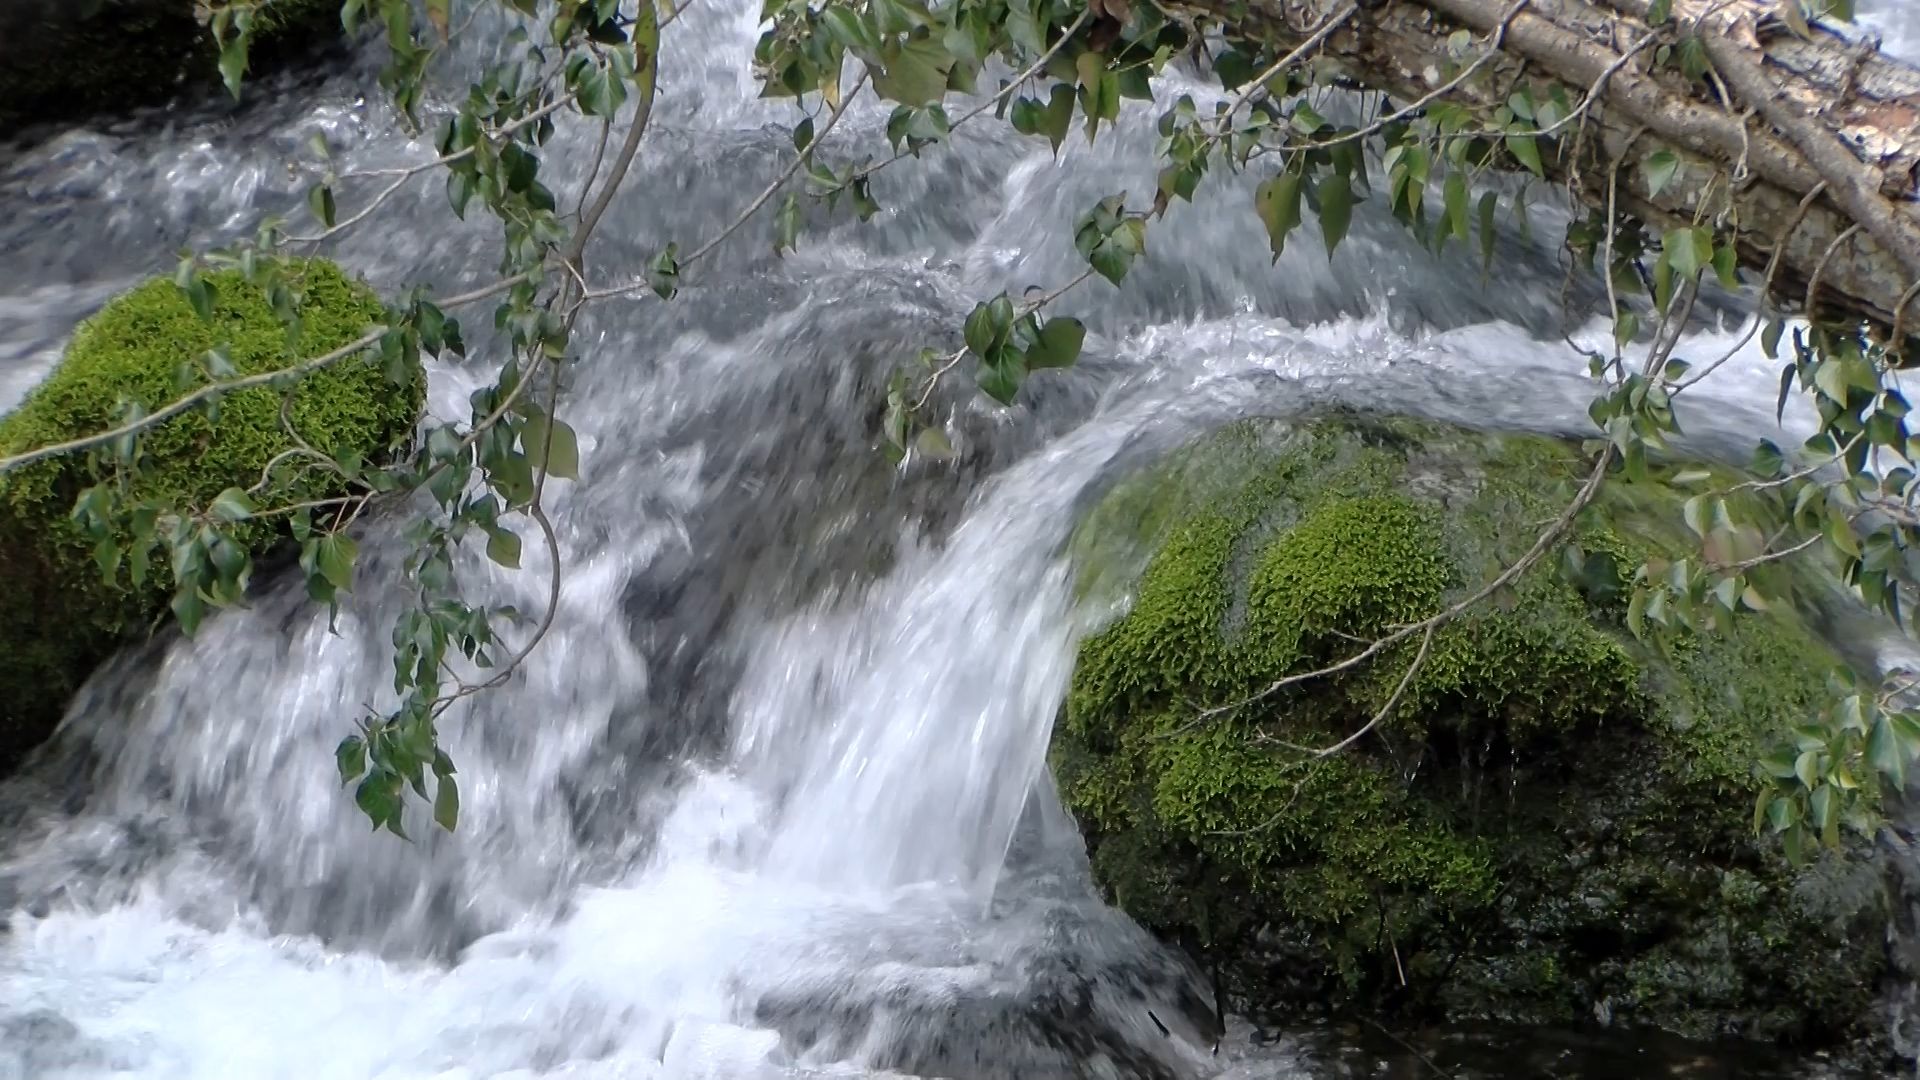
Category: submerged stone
[1554,824]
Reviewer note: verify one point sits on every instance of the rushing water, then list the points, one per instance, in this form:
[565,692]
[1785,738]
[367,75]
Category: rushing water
[770,801]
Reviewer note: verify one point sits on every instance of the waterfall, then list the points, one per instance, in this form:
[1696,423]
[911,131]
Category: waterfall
[771,799]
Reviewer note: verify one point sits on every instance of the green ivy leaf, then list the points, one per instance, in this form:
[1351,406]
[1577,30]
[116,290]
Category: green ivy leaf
[1058,345]
[446,803]
[1023,27]
[1099,91]
[552,443]
[1884,753]
[786,225]
[334,554]
[988,325]
[601,93]
[1726,266]
[1001,373]
[864,205]
[1661,166]
[914,73]
[1693,54]
[1624,328]
[1687,250]
[1526,151]
[933,443]
[1806,768]
[1026,114]
[1781,814]
[320,201]
[106,555]
[503,547]
[201,296]
[851,30]
[378,797]
[1277,201]
[233,505]
[351,757]
[1456,206]
[1336,211]
[233,63]
[460,188]
[1057,118]
[663,274]
[1115,255]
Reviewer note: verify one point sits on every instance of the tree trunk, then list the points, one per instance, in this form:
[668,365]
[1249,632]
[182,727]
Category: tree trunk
[1781,119]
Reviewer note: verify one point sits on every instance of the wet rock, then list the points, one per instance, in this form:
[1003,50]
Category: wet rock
[59,615]
[1556,821]
[69,59]
[44,1043]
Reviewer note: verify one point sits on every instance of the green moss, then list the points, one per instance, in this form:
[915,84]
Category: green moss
[59,617]
[1546,821]
[62,62]
[1351,566]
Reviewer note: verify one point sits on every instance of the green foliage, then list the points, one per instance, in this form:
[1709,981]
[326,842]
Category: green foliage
[87,578]
[1541,757]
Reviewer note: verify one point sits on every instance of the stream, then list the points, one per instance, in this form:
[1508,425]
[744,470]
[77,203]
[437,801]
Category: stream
[771,800]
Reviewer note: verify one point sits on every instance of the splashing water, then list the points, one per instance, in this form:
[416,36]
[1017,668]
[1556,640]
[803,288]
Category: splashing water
[771,800]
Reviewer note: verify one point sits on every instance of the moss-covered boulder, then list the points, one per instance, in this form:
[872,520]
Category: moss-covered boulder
[59,616]
[1556,823]
[68,59]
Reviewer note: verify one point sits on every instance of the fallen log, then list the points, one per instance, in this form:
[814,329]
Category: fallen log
[1793,137]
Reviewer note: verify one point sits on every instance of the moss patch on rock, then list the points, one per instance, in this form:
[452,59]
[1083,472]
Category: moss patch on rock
[68,59]
[58,615]
[1555,823]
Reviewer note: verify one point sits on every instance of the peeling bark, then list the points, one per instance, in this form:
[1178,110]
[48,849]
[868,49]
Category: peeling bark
[1781,119]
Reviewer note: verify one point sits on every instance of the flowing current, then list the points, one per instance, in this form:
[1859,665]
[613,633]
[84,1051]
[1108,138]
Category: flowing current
[771,800]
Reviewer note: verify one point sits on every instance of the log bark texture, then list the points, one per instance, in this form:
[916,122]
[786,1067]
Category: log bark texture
[1782,119]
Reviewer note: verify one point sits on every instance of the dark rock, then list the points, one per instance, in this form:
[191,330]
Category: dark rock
[1556,823]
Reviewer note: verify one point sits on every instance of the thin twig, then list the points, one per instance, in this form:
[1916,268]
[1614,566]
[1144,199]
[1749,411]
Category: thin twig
[573,259]
[1766,557]
[1028,308]
[1543,543]
[593,171]
[1766,288]
[1803,473]
[1819,268]
[1013,84]
[405,174]
[1386,710]
[1259,82]
[1407,1046]
[754,207]
[1898,335]
[1492,50]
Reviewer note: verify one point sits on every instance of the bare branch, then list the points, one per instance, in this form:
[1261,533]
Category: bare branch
[1541,545]
[1385,710]
[403,175]
[754,207]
